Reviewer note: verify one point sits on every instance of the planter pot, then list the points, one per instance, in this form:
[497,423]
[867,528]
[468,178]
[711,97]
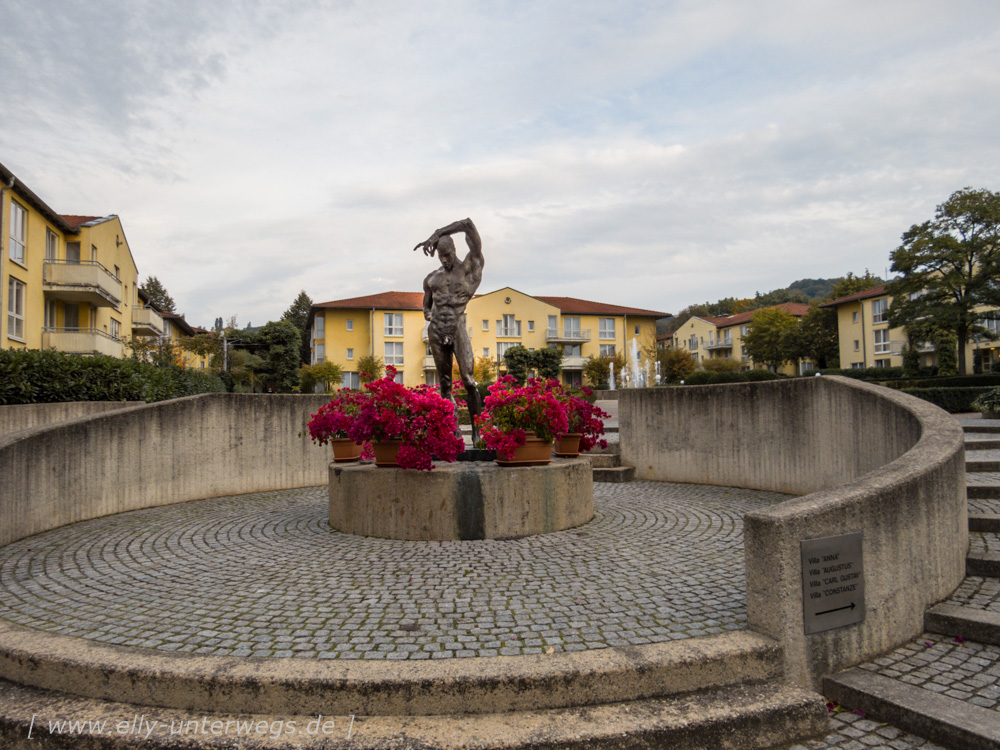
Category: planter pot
[386,452]
[345,450]
[569,445]
[535,452]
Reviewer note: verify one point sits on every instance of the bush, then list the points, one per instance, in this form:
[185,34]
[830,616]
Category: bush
[988,402]
[727,376]
[757,375]
[867,373]
[35,377]
[954,381]
[952,400]
[722,365]
[701,377]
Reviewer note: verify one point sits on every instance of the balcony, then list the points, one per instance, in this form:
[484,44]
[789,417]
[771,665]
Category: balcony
[568,336]
[83,281]
[146,322]
[81,341]
[429,363]
[573,363]
[726,343]
[423,334]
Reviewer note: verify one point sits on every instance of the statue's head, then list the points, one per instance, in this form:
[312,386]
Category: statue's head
[446,252]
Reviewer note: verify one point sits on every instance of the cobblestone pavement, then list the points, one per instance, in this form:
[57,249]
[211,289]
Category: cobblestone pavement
[984,542]
[978,593]
[854,732]
[960,669]
[264,575]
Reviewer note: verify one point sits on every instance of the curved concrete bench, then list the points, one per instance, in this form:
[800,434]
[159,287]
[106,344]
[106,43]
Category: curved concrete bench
[866,458]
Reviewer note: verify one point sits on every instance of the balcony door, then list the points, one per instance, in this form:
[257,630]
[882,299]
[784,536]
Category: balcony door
[72,252]
[71,314]
[571,328]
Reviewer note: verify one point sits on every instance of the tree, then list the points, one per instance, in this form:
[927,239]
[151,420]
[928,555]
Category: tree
[771,340]
[675,365]
[157,294]
[817,337]
[949,267]
[298,316]
[548,362]
[327,373]
[278,347]
[485,370]
[597,370]
[518,361]
[370,367]
[851,284]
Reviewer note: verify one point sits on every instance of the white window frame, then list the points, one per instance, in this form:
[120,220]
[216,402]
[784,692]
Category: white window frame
[854,317]
[350,380]
[18,245]
[50,313]
[350,353]
[857,345]
[486,352]
[15,308]
[116,329]
[502,347]
[607,350]
[509,327]
[882,343]
[880,310]
[486,325]
[393,352]
[393,324]
[51,245]
[531,326]
[320,355]
[319,327]
[350,324]
[572,350]
[606,328]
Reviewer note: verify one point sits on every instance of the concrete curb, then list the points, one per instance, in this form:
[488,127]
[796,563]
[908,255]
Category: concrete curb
[936,717]
[987,522]
[981,465]
[977,625]
[986,564]
[448,686]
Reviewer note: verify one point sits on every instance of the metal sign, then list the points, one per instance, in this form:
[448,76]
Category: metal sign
[833,582]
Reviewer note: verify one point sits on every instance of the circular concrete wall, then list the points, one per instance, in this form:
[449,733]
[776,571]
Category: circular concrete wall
[461,500]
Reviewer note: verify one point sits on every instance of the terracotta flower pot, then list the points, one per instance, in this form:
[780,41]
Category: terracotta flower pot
[345,450]
[569,445]
[535,452]
[386,452]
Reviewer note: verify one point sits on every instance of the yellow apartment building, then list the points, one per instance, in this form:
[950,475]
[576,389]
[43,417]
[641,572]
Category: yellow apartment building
[713,338]
[391,325]
[866,340]
[177,329]
[69,282]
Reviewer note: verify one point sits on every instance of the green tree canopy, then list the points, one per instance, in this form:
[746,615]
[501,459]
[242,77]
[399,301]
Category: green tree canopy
[278,347]
[773,337]
[817,337]
[298,316]
[949,269]
[851,284]
[157,294]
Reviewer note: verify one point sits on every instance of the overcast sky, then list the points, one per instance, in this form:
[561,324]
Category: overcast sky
[653,154]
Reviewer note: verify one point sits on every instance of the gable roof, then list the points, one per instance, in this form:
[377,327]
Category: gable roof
[877,291]
[383,300]
[77,221]
[798,309]
[575,306]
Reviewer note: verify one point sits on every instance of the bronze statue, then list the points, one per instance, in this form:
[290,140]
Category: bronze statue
[446,292]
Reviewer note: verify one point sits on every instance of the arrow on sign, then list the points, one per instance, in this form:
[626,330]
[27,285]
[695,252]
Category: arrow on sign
[835,610]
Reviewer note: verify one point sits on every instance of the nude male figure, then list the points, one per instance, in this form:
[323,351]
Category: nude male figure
[446,292]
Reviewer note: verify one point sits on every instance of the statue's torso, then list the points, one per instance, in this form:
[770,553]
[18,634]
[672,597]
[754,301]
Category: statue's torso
[450,293]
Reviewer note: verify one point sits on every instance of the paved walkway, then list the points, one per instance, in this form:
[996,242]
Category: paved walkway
[851,731]
[263,575]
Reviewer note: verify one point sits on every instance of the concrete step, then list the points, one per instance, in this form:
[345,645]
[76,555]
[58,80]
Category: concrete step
[982,442]
[983,491]
[604,460]
[742,717]
[985,564]
[940,718]
[974,464]
[615,474]
[971,623]
[984,522]
[984,427]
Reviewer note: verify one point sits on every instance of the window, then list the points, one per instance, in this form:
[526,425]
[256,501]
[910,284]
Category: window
[879,309]
[807,367]
[573,378]
[573,350]
[117,272]
[992,325]
[319,327]
[350,325]
[394,327]
[744,330]
[398,378]
[486,325]
[692,342]
[394,353]
[50,313]
[854,317]
[72,252]
[857,345]
[607,350]
[18,232]
[350,353]
[881,342]
[93,253]
[637,330]
[350,380]
[116,329]
[553,324]
[571,328]
[606,326]
[486,352]
[881,363]
[531,326]
[502,348]
[15,308]
[857,365]
[51,245]
[509,327]
[320,353]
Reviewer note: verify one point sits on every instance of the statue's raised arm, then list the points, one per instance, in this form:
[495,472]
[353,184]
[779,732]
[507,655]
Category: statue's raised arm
[472,239]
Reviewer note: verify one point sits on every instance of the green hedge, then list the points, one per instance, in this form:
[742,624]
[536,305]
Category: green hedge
[36,377]
[954,381]
[706,377]
[953,400]
[867,373]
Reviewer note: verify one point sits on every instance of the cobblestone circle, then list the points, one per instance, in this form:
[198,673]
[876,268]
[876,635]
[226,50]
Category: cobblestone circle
[964,670]
[263,575]
[852,731]
[983,542]
[978,593]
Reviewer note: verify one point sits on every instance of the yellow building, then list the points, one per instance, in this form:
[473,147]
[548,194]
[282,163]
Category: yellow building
[391,326]
[714,338]
[69,282]
[866,340]
[175,330]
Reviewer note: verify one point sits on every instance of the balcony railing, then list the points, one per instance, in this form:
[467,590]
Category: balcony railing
[567,334]
[510,332]
[573,363]
[146,321]
[429,363]
[81,341]
[726,343]
[81,281]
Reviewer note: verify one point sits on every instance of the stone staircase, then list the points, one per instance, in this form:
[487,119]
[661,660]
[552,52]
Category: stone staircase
[945,685]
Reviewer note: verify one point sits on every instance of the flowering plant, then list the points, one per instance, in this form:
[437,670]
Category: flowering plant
[386,410]
[335,419]
[586,418]
[511,411]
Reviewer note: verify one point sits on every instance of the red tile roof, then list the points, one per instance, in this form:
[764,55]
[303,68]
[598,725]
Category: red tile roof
[877,291]
[797,309]
[383,300]
[575,306]
[75,221]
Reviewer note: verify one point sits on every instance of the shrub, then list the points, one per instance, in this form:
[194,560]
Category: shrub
[727,376]
[701,377]
[722,365]
[987,402]
[757,375]
[953,400]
